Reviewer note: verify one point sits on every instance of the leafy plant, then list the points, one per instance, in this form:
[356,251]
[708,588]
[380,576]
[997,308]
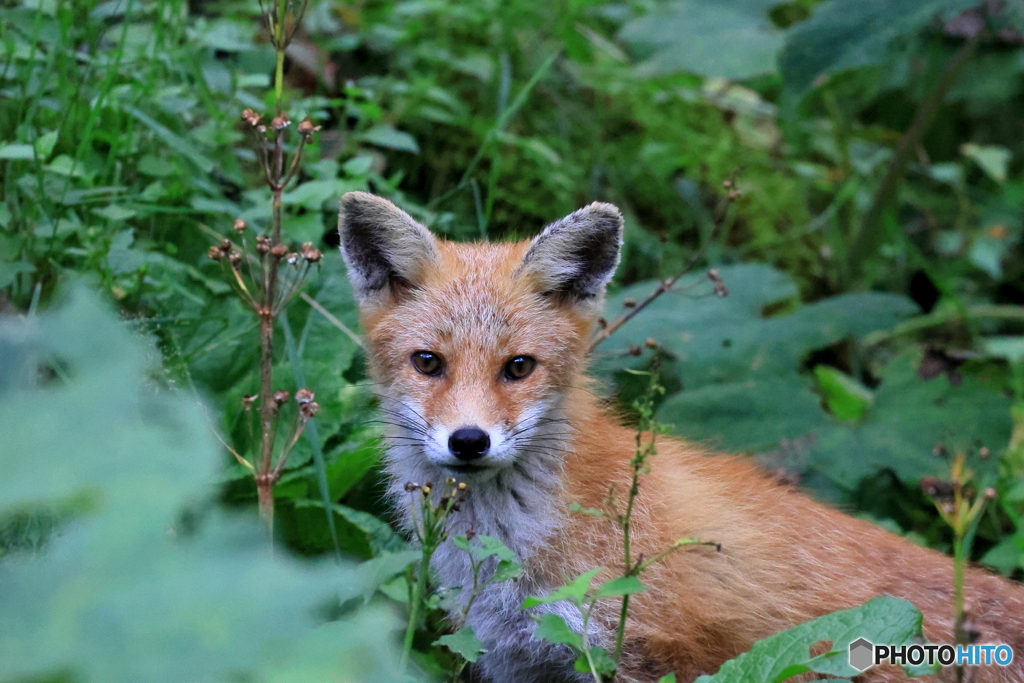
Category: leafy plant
[134,555]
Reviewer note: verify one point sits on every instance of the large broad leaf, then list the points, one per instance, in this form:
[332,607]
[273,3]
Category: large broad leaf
[193,597]
[848,34]
[740,370]
[744,387]
[888,621]
[727,38]
[910,416]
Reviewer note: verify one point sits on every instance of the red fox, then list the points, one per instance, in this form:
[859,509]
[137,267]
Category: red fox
[480,350]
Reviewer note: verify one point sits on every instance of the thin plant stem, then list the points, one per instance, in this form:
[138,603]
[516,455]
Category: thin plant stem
[667,284]
[862,242]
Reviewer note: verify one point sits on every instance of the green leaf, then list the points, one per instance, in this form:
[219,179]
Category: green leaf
[490,546]
[10,271]
[604,665]
[849,34]
[385,135]
[688,35]
[506,571]
[667,678]
[372,574]
[17,150]
[593,512]
[993,160]
[463,643]
[177,143]
[618,587]
[553,629]
[1010,348]
[113,212]
[573,592]
[132,573]
[847,398]
[776,658]
[45,143]
[910,416]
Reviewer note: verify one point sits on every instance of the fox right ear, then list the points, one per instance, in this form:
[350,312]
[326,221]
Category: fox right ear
[383,247]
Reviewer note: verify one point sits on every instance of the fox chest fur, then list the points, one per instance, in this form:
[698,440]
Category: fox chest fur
[478,353]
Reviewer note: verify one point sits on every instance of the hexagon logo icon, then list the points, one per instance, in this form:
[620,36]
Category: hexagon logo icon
[862,654]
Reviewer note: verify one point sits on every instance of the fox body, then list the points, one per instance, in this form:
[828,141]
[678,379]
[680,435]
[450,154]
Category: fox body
[479,353]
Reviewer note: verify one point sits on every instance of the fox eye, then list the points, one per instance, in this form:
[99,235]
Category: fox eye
[427,362]
[519,367]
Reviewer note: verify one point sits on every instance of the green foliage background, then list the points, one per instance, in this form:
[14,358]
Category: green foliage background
[874,319]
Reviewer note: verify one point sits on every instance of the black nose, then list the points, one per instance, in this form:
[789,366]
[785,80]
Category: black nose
[469,443]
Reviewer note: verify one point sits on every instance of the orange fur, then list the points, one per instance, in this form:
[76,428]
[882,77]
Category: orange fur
[784,558]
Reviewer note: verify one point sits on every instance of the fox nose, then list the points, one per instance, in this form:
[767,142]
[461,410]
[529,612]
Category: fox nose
[469,443]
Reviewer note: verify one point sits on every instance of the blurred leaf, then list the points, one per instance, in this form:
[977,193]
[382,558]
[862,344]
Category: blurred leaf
[385,135]
[847,398]
[113,212]
[1010,348]
[10,271]
[987,253]
[778,657]
[728,39]
[370,575]
[991,159]
[849,34]
[181,593]
[463,642]
[17,150]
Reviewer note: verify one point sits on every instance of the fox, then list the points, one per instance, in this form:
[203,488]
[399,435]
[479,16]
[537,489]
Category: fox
[479,355]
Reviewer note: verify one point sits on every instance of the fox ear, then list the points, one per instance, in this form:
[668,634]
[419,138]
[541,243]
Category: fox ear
[383,247]
[577,255]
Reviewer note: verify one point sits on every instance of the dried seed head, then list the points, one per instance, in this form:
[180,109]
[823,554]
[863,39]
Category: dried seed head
[635,350]
[727,183]
[426,489]
[462,486]
[990,493]
[292,258]
[215,253]
[262,245]
[279,250]
[225,245]
[281,397]
[304,396]
[651,344]
[629,303]
[248,400]
[280,122]
[309,410]
[251,117]
[411,486]
[983,452]
[240,226]
[311,253]
[602,323]
[470,534]
[234,258]
[306,127]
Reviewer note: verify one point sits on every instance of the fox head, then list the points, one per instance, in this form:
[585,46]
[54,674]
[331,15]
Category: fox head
[474,346]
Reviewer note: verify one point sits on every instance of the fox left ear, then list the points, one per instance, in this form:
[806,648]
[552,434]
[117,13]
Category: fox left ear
[577,255]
